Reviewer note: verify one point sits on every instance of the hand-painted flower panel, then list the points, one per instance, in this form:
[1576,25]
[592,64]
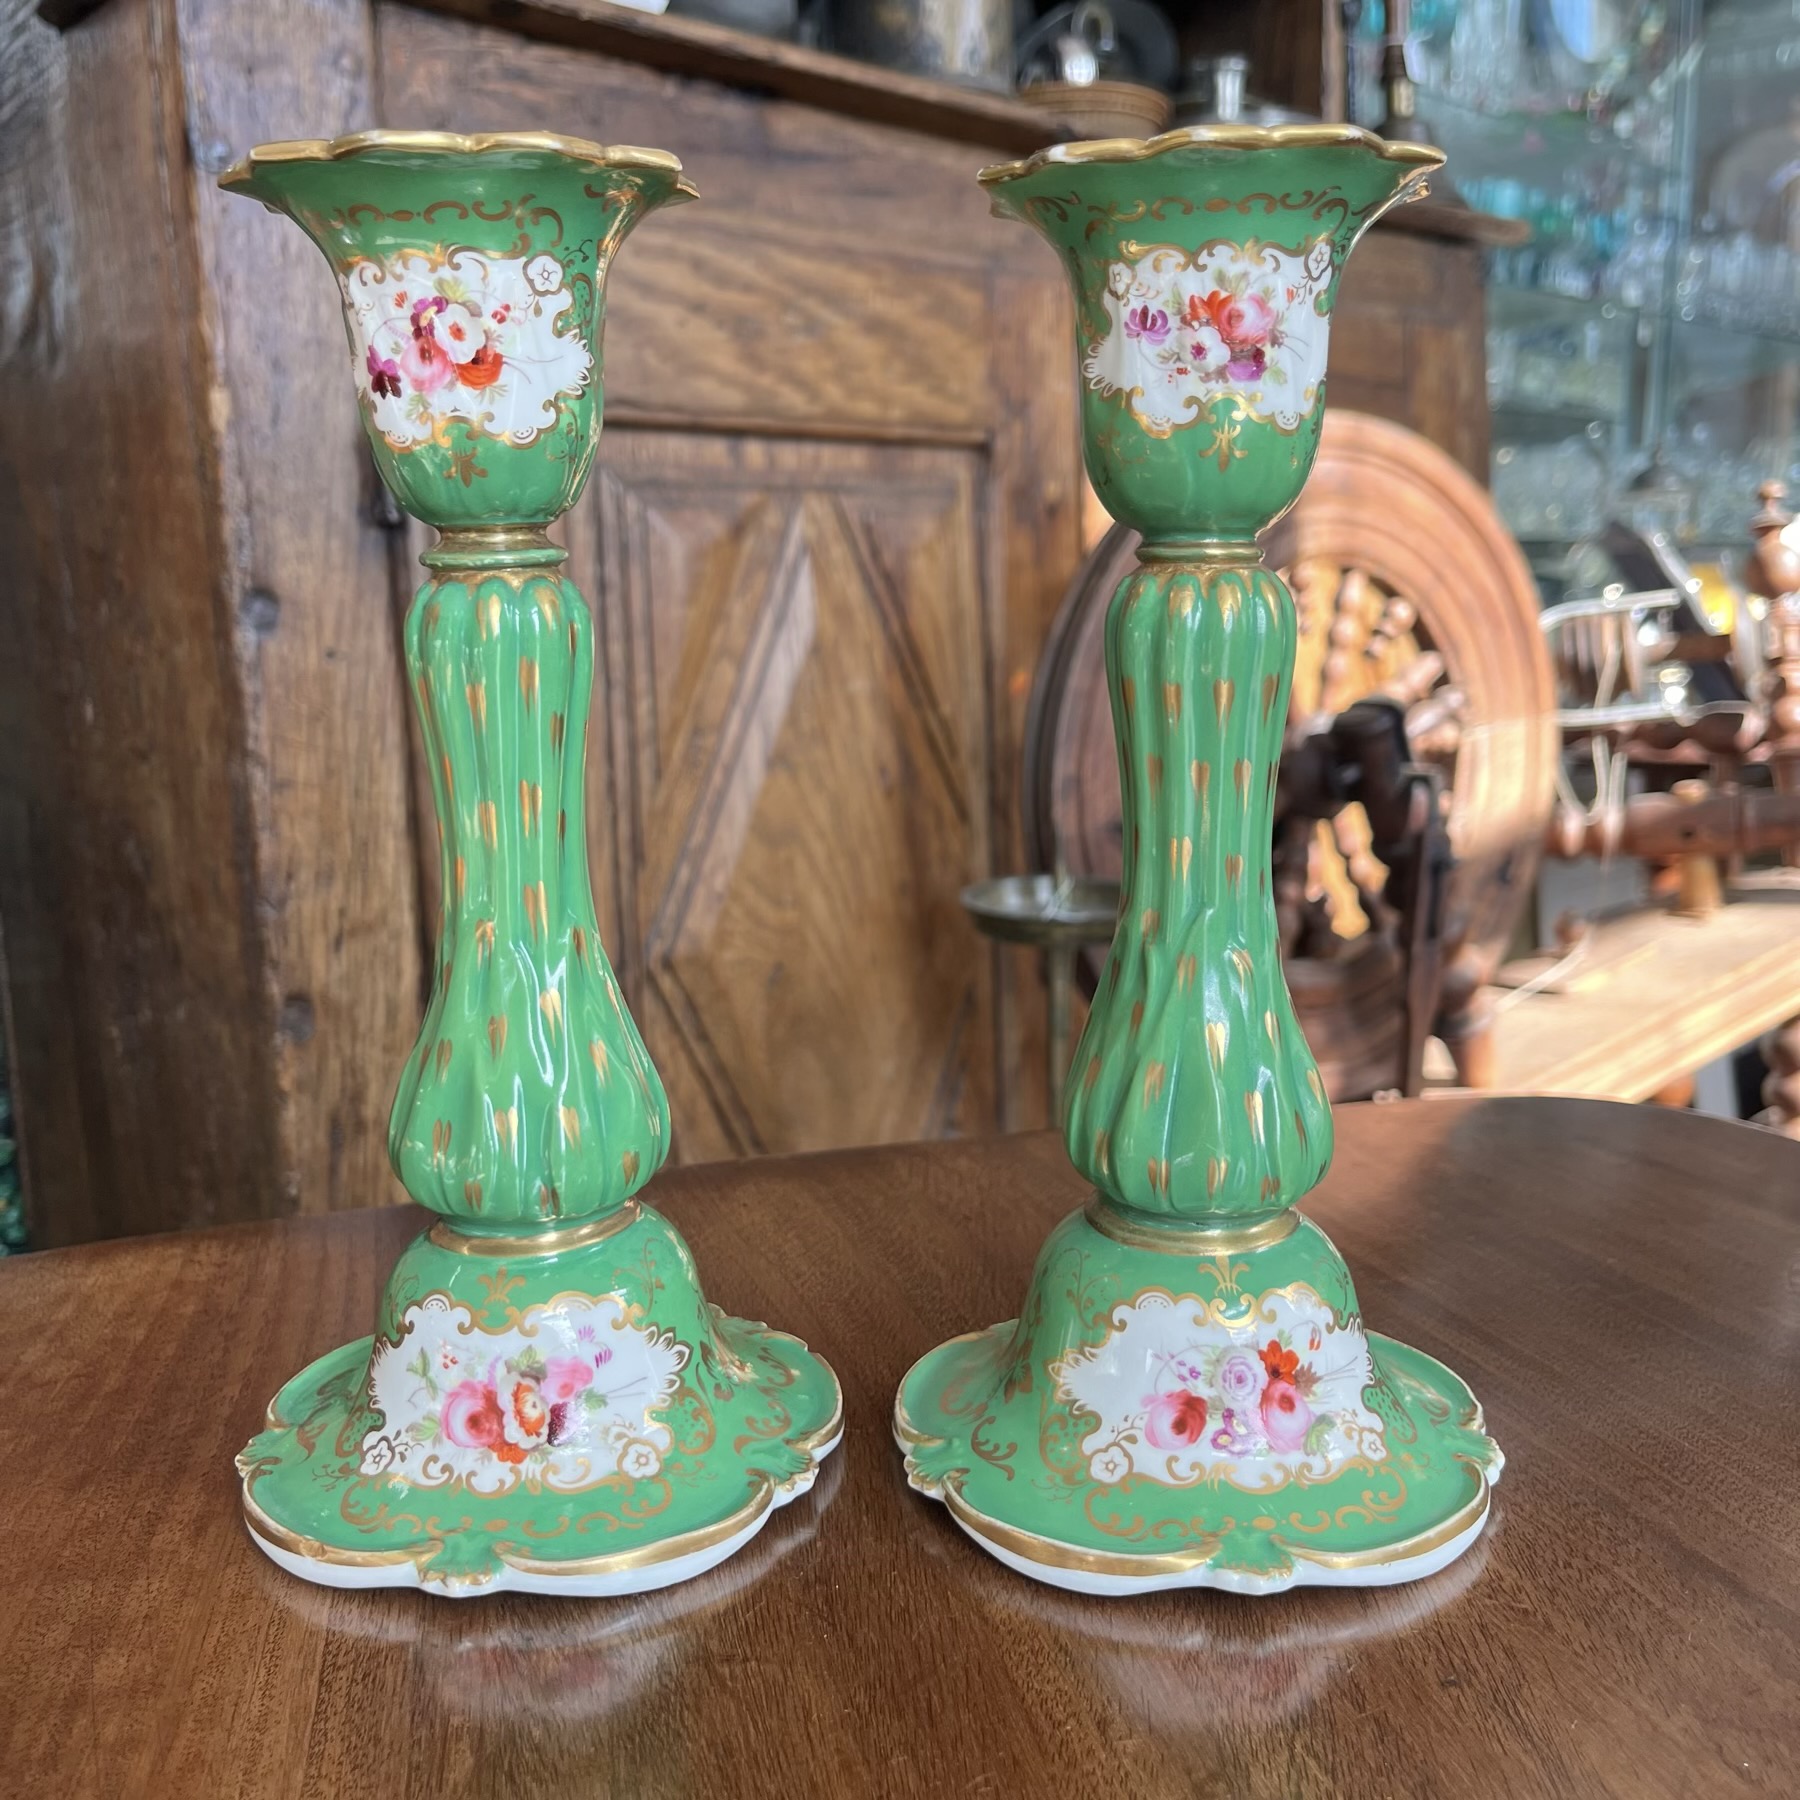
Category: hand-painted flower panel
[567,1397]
[1236,321]
[489,340]
[1186,1392]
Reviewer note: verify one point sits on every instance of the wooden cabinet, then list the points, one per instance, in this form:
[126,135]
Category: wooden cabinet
[836,505]
[1408,338]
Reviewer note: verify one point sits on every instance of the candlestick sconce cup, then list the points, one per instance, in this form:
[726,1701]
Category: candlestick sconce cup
[1189,1397]
[548,1401]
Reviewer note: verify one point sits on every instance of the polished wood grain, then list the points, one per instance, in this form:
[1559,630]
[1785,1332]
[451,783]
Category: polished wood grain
[795,638]
[128,880]
[319,673]
[1619,1284]
[1408,336]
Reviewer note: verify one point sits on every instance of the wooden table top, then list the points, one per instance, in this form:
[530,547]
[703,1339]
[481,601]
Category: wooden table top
[1620,1285]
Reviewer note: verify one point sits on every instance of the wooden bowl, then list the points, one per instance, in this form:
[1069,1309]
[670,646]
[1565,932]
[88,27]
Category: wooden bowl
[1101,109]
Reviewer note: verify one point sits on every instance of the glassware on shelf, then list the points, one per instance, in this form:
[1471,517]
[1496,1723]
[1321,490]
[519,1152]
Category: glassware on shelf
[1564,361]
[1216,90]
[1634,276]
[1741,282]
[1597,237]
[1586,45]
[1600,63]
[1755,184]
[1650,324]
[965,41]
[1558,492]
[1720,480]
[1484,65]
[1554,370]
[1660,499]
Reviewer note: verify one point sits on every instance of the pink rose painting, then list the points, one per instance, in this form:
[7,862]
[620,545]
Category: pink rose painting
[1286,1418]
[472,1415]
[494,341]
[425,365]
[1247,324]
[1174,1420]
[445,338]
[523,1405]
[1245,321]
[1261,1406]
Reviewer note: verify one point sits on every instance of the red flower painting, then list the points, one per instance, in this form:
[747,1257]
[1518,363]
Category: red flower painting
[1175,1420]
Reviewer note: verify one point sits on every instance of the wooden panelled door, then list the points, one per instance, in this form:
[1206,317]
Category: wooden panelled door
[792,784]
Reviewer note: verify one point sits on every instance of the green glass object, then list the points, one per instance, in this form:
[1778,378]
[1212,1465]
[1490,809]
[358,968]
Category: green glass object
[548,1402]
[1189,1397]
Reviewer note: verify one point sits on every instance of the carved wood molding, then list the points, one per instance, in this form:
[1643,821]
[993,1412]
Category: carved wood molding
[708,52]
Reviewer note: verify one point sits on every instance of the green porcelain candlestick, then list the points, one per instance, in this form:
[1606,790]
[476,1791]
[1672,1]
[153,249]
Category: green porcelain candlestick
[548,1401]
[1189,1397]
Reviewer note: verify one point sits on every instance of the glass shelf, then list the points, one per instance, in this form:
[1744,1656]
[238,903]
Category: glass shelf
[1536,148]
[1520,421]
[1557,368]
[1511,305]
[1776,347]
[1652,320]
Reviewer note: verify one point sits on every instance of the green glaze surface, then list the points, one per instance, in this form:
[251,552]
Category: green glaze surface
[1192,1091]
[403,223]
[549,1400]
[530,1095]
[990,1422]
[1189,1396]
[747,1410]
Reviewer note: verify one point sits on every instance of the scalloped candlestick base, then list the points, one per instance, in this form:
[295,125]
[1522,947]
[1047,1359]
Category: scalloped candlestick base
[572,1419]
[1208,1414]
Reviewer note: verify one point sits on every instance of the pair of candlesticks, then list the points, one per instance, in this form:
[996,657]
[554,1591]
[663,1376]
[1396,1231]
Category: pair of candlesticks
[1189,1396]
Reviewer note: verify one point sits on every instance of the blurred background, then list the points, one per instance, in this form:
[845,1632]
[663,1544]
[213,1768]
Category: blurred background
[854,814]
